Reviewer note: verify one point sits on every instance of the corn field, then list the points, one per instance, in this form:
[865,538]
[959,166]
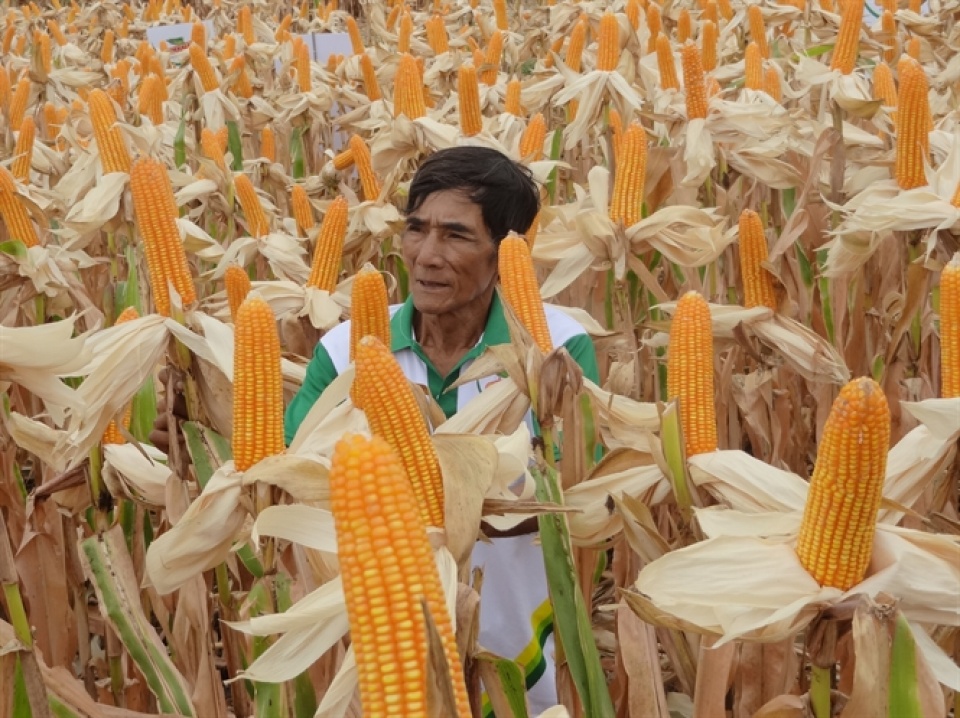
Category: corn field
[752,208]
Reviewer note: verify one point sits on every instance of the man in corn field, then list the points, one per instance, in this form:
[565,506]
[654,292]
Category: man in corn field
[463,201]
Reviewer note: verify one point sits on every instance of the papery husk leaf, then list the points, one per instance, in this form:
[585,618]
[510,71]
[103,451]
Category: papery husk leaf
[136,472]
[331,415]
[101,203]
[942,666]
[342,689]
[622,420]
[871,643]
[595,523]
[685,235]
[940,416]
[304,525]
[698,153]
[204,535]
[746,483]
[500,407]
[305,478]
[915,461]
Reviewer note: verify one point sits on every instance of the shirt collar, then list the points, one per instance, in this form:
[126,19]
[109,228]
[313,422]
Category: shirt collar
[495,332]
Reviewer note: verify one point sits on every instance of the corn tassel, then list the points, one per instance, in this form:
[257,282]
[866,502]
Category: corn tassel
[329,247]
[114,156]
[518,280]
[840,517]
[256,218]
[356,42]
[257,385]
[758,30]
[388,574]
[106,50]
[369,308]
[18,102]
[757,282]
[368,178]
[578,40]
[408,90]
[468,101]
[950,323]
[531,141]
[500,14]
[491,58]
[753,67]
[628,185]
[608,52]
[693,80]
[14,212]
[690,373]
[386,397]
[666,64]
[512,101]
[302,210]
[684,30]
[203,69]
[23,152]
[156,214]
[111,434]
[845,52]
[370,84]
[268,144]
[913,125]
[708,46]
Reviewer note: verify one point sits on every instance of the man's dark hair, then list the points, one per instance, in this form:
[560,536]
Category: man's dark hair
[504,189]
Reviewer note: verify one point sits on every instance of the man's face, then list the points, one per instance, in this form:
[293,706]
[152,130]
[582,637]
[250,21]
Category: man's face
[449,254]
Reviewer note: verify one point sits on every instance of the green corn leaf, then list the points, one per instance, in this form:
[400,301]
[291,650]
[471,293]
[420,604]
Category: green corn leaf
[904,696]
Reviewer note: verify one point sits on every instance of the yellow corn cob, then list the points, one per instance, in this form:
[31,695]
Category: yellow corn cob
[8,35]
[437,35]
[119,90]
[381,389]
[950,324]
[888,29]
[198,34]
[203,69]
[840,517]
[21,45]
[369,309]
[683,26]
[268,144]
[283,29]
[531,141]
[408,90]
[633,10]
[111,434]
[106,50]
[913,47]
[654,25]
[491,58]
[753,67]
[18,102]
[555,46]
[616,128]
[368,178]
[758,30]
[511,103]
[518,281]
[404,33]
[343,160]
[54,28]
[155,210]
[355,40]
[237,284]
[913,125]
[388,574]
[757,282]
[666,63]
[391,23]
[114,156]
[468,101]
[500,12]
[884,88]
[690,373]
[42,42]
[302,210]
[23,152]
[955,201]
[124,29]
[478,57]
[845,52]
[915,6]
[578,40]
[710,13]
[531,235]
[333,62]
[14,212]
[211,147]
[696,90]
[257,385]
[245,25]
[5,92]
[370,84]
[229,46]
[708,40]
[628,186]
[188,14]
[253,212]
[608,52]
[329,247]
[771,83]
[242,86]
[50,118]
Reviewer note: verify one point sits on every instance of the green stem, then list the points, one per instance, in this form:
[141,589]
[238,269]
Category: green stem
[97,488]
[820,691]
[18,614]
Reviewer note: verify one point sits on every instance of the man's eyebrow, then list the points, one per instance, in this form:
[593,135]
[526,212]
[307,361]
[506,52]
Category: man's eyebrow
[449,226]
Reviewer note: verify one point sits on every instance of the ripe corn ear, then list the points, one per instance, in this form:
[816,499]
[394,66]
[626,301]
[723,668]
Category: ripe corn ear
[353,30]
[578,40]
[14,212]
[386,397]
[114,156]
[155,210]
[840,517]
[491,58]
[654,25]
[608,52]
[531,141]
[111,434]
[106,50]
[690,373]
[500,14]
[242,87]
[950,324]
[628,186]
[404,33]
[237,284]
[302,210]
[408,89]
[757,282]
[913,125]
[758,30]
[150,100]
[368,178]
[329,247]
[257,385]
[693,80]
[253,212]
[753,67]
[845,53]
[18,102]
[666,64]
[23,151]
[388,573]
[468,101]
[370,84]
[518,280]
[888,29]
[203,69]
[771,83]
[683,26]
[211,148]
[512,102]
[708,46]
[369,308]
[268,144]
[913,47]
[437,35]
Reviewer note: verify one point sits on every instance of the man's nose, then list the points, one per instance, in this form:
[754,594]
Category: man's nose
[431,249]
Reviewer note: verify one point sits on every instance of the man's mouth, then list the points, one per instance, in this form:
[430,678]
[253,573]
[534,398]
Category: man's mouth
[427,284]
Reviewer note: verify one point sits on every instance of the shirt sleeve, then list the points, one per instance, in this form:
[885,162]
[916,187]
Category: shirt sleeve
[320,373]
[583,353]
